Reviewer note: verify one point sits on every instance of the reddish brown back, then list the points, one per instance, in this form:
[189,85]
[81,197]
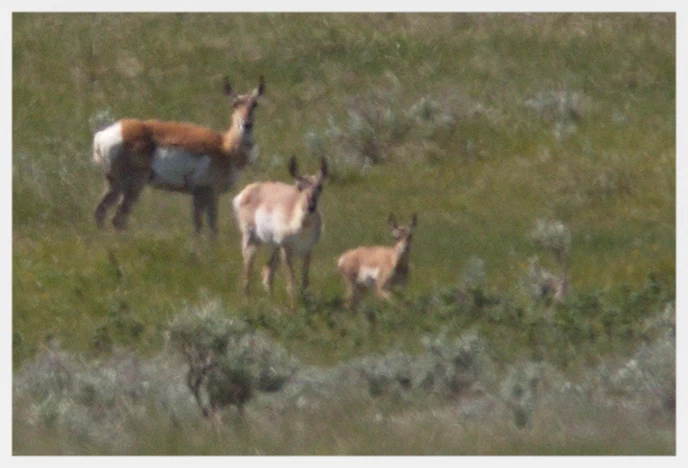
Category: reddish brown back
[150,133]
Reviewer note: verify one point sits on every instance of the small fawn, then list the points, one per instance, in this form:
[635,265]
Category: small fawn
[379,268]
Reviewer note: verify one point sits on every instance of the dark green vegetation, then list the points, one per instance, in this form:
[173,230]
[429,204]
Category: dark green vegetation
[483,124]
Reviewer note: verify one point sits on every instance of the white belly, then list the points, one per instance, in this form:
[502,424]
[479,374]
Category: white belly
[175,169]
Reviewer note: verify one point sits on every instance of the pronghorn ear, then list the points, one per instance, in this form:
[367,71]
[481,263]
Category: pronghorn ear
[414,220]
[392,222]
[227,87]
[261,86]
[293,168]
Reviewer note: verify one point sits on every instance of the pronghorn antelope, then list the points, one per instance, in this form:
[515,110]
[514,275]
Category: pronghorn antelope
[283,217]
[174,156]
[380,268]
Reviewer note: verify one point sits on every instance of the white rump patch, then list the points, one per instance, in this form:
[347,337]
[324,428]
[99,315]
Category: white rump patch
[106,145]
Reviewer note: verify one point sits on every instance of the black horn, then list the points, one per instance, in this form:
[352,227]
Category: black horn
[323,168]
[261,86]
[293,168]
[227,87]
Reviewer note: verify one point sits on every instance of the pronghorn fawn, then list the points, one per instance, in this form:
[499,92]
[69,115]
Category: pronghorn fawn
[175,156]
[379,268]
[283,217]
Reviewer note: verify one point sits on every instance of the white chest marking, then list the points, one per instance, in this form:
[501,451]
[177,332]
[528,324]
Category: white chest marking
[272,227]
[267,227]
[368,275]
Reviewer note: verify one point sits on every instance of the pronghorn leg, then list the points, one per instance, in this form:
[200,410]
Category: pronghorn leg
[289,270]
[358,290]
[349,294]
[248,251]
[269,270]
[132,190]
[205,202]
[382,292]
[198,205]
[211,211]
[353,294]
[304,271]
[110,197]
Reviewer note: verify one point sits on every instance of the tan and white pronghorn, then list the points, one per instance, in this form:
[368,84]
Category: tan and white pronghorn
[174,156]
[282,217]
[379,268]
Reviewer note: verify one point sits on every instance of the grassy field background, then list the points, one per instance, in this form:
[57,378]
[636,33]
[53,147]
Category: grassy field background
[483,124]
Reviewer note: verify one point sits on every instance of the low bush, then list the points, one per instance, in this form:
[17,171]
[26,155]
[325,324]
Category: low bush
[106,405]
[227,359]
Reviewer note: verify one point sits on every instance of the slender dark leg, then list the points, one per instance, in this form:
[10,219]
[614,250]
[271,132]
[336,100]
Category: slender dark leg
[110,197]
[289,270]
[132,190]
[198,208]
[204,202]
[305,272]
[248,251]
[211,211]
[269,270]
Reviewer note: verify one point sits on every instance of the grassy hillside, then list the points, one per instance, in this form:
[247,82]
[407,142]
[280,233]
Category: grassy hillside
[483,124]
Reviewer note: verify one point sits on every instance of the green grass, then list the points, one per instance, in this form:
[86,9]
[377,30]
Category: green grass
[478,187]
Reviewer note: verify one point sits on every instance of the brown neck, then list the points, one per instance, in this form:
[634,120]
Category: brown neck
[231,140]
[300,213]
[236,146]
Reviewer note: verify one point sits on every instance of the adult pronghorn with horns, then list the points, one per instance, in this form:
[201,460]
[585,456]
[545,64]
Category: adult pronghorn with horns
[283,217]
[175,156]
